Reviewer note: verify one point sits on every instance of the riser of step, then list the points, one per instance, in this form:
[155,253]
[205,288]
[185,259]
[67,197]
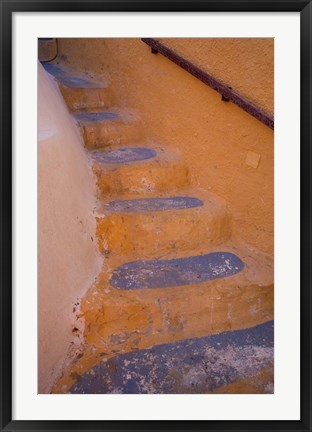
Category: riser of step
[155,233]
[198,365]
[127,320]
[87,98]
[99,132]
[160,174]
[129,324]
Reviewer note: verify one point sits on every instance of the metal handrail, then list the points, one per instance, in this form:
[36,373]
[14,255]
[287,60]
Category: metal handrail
[228,94]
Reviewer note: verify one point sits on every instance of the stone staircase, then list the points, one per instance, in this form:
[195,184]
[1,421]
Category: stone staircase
[180,306]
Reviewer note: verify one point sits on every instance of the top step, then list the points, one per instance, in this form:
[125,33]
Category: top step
[80,93]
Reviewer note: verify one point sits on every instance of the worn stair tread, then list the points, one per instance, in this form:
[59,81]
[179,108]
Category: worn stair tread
[138,169]
[95,116]
[258,267]
[175,272]
[103,115]
[147,226]
[188,191]
[135,154]
[81,93]
[132,154]
[184,199]
[104,128]
[123,155]
[198,365]
[69,80]
[126,319]
[153,204]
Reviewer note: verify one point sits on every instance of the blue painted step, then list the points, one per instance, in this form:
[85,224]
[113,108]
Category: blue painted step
[96,116]
[153,204]
[190,366]
[175,272]
[123,155]
[68,80]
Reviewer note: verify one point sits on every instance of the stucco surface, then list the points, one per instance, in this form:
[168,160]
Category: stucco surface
[68,259]
[245,64]
[229,152]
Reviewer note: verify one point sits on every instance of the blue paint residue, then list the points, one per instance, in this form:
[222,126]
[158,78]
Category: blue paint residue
[123,155]
[153,204]
[66,79]
[96,116]
[155,370]
[54,70]
[176,272]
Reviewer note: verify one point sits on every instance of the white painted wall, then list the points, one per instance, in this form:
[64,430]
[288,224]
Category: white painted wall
[68,259]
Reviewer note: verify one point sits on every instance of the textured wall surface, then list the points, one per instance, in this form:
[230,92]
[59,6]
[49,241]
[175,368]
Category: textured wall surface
[245,64]
[67,257]
[228,151]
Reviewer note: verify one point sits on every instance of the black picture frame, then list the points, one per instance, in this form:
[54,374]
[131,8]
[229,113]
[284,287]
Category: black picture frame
[7,9]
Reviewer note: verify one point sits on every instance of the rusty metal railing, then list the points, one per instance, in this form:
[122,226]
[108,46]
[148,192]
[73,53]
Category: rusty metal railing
[227,93]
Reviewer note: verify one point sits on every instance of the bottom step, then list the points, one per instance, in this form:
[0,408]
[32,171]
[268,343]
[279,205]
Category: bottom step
[191,366]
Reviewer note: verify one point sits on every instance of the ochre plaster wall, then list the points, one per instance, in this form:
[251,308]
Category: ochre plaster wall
[228,151]
[68,259]
[245,64]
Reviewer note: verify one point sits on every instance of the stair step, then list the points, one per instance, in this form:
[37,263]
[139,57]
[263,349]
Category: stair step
[147,227]
[95,116]
[153,204]
[109,128]
[67,79]
[190,366]
[180,271]
[136,170]
[127,319]
[81,93]
[124,155]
